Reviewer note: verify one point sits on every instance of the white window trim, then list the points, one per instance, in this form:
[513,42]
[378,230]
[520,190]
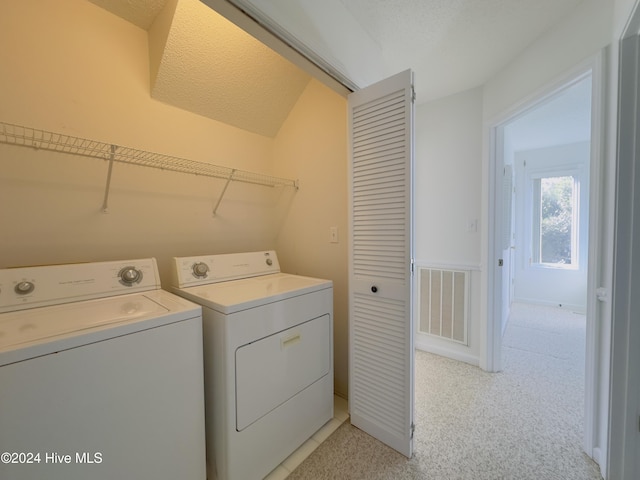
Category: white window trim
[571,170]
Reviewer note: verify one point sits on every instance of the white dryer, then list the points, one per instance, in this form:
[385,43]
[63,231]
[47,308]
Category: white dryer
[268,347]
[101,375]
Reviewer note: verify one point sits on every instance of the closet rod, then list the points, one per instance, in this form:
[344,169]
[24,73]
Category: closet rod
[41,139]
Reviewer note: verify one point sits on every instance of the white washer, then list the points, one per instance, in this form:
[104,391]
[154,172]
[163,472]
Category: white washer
[101,375]
[268,348]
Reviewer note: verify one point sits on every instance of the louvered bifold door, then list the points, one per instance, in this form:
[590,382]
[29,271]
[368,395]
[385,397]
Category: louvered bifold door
[380,253]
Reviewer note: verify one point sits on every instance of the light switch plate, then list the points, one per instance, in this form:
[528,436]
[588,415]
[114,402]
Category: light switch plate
[333,234]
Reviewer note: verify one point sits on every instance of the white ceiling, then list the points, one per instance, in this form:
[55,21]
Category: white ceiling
[451,45]
[562,119]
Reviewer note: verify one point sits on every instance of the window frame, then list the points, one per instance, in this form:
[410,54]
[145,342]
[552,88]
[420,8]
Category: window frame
[533,223]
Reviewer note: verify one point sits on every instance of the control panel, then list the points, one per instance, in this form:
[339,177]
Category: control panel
[31,287]
[192,271]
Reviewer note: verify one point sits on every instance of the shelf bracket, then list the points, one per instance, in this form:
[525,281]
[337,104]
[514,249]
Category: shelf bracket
[105,202]
[224,190]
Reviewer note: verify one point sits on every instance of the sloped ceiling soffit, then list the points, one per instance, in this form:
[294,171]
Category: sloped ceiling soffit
[202,63]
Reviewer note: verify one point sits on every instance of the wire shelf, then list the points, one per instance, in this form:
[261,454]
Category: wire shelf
[41,139]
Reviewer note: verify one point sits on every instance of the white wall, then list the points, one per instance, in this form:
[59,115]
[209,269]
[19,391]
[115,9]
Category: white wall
[447,168]
[447,200]
[312,147]
[621,13]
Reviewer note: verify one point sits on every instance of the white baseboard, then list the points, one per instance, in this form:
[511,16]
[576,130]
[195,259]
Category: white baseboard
[565,306]
[449,353]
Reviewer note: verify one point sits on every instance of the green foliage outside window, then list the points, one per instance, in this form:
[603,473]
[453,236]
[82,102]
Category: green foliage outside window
[556,219]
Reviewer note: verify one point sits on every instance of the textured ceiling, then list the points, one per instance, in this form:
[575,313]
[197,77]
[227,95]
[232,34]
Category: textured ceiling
[139,12]
[201,63]
[211,67]
[204,64]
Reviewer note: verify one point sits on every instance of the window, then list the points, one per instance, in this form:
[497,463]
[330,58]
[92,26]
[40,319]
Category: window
[555,221]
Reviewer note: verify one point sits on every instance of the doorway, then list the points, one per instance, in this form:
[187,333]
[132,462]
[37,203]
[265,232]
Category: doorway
[546,153]
[526,163]
[546,156]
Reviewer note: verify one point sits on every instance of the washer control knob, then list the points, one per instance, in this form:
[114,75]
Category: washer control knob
[374,289]
[200,269]
[129,276]
[23,288]
[269,262]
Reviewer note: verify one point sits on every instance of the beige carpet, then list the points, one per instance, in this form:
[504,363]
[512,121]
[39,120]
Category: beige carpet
[519,424]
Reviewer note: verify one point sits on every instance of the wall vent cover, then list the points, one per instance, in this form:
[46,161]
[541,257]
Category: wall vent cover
[443,303]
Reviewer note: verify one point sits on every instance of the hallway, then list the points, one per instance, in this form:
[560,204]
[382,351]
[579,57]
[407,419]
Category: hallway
[522,423]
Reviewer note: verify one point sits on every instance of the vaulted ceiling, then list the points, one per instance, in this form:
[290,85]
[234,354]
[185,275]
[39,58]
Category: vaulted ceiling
[201,62]
[451,45]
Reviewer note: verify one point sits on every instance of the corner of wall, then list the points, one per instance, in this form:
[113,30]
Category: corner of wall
[312,146]
[158,35]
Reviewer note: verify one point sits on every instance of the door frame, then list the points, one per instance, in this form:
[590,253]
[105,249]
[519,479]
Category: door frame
[624,440]
[597,354]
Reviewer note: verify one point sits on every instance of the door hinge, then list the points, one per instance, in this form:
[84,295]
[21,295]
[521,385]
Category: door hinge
[413,94]
[500,262]
[413,262]
[413,429]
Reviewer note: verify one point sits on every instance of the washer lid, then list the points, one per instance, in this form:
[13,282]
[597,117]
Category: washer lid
[237,295]
[40,323]
[29,333]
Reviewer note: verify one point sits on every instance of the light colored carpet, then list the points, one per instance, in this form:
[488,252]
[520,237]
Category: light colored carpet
[519,424]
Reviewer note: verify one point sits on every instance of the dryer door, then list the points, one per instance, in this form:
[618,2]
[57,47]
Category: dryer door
[275,368]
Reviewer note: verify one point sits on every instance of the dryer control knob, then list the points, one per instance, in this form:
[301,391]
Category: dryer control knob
[24,288]
[129,276]
[269,262]
[200,269]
